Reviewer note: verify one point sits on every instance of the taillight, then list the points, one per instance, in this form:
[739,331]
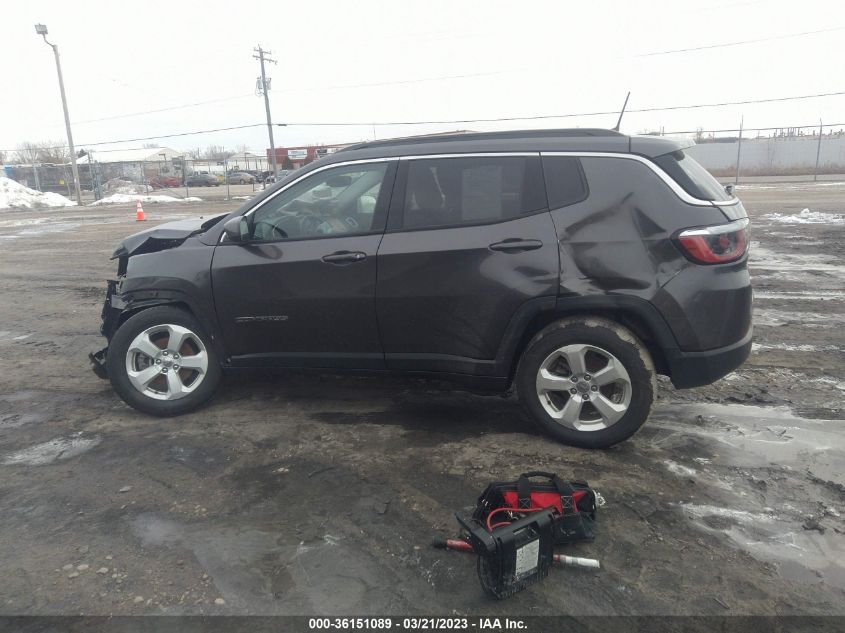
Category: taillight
[716,244]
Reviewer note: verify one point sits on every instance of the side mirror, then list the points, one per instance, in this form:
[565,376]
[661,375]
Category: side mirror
[236,229]
[729,189]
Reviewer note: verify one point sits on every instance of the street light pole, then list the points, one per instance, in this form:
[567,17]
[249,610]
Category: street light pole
[42,31]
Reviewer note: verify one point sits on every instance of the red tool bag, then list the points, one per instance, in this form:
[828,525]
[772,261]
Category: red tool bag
[503,502]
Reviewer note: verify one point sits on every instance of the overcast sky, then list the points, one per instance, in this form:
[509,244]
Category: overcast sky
[368,61]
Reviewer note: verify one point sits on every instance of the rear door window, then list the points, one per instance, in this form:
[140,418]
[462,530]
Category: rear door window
[444,192]
[692,177]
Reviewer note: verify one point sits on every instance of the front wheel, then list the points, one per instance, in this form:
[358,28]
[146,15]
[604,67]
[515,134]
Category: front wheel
[587,381]
[161,362]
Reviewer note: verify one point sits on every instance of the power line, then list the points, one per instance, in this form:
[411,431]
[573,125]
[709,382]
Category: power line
[656,109]
[696,131]
[454,121]
[168,109]
[575,114]
[740,42]
[399,82]
[293,90]
[150,138]
[748,129]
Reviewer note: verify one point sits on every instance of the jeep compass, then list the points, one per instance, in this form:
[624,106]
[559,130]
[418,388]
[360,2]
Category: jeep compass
[571,266]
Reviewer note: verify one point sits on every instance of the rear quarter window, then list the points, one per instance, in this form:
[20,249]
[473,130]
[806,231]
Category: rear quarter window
[692,177]
[565,181]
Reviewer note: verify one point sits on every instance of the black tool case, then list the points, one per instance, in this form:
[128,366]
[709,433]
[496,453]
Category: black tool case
[513,556]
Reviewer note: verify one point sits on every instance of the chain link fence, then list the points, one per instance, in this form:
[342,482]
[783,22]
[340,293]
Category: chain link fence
[99,179]
[803,151]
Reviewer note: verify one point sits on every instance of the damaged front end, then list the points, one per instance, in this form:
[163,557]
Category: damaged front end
[118,301]
[113,306]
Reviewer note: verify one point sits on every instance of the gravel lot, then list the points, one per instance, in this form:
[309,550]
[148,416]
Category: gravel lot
[320,494]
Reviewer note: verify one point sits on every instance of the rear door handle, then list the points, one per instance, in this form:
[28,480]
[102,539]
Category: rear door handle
[344,257]
[516,245]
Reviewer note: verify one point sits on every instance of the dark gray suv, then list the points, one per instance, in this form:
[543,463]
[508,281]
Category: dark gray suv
[570,265]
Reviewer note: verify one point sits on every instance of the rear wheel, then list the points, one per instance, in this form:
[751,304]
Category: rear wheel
[161,362]
[587,381]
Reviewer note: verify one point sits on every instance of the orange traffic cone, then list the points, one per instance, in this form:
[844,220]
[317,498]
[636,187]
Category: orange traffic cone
[139,213]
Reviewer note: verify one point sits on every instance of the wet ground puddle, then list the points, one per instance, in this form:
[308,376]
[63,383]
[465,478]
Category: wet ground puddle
[775,480]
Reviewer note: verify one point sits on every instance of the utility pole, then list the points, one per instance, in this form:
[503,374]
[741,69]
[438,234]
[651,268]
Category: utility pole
[818,151]
[262,57]
[42,31]
[739,149]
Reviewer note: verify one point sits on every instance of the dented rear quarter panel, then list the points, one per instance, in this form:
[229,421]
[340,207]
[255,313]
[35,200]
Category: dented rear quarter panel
[619,242]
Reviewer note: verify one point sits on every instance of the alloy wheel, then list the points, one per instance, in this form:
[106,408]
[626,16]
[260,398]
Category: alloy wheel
[166,362]
[583,387]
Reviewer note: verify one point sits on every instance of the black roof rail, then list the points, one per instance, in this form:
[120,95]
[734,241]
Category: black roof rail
[481,136]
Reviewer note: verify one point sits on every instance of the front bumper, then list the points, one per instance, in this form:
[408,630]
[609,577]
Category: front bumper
[694,369]
[110,316]
[98,363]
[112,308]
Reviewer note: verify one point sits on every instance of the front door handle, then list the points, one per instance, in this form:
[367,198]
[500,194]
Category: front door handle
[516,245]
[344,257]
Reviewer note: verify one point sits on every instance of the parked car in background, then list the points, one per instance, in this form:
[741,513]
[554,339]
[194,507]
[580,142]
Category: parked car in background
[162,182]
[240,178]
[572,266]
[279,175]
[202,180]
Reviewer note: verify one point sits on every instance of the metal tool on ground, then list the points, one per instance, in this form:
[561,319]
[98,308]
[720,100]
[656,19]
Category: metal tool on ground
[460,545]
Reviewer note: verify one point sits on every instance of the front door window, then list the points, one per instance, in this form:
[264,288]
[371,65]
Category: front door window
[335,202]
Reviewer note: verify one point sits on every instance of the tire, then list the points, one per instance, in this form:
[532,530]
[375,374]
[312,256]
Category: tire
[150,340]
[615,382]
[243,182]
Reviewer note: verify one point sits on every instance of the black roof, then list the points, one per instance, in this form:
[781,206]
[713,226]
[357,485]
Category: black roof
[556,140]
[485,136]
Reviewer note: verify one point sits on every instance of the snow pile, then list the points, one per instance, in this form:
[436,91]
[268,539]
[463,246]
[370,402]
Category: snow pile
[118,185]
[14,195]
[807,217]
[125,198]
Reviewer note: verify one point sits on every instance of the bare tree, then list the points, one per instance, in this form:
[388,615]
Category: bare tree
[217,152]
[27,153]
[194,154]
[54,152]
[2,157]
[30,152]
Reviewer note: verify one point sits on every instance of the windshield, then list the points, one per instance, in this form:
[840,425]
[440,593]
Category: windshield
[694,179]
